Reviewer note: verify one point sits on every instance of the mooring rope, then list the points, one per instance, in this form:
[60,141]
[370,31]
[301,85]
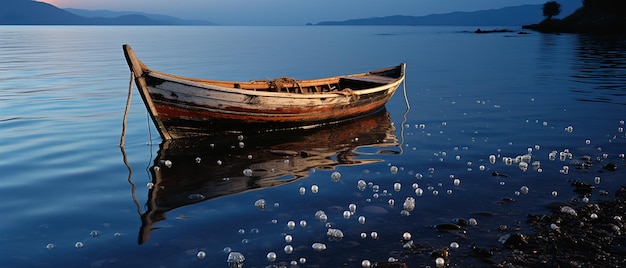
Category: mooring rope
[130,170]
[408,107]
[130,94]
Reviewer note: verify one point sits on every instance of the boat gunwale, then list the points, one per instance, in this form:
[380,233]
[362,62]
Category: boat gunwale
[206,84]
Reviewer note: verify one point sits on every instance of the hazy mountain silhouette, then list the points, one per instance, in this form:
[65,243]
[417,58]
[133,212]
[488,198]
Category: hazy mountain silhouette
[157,17]
[28,12]
[508,16]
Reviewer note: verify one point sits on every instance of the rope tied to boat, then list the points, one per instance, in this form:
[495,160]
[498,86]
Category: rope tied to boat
[128,100]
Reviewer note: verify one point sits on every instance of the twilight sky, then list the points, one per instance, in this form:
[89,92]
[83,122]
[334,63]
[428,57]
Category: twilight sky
[289,12]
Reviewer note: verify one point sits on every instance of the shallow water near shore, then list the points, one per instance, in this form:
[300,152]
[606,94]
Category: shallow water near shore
[473,106]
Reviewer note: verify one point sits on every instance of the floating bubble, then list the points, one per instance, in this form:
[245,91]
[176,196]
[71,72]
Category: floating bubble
[419,176]
[288,238]
[523,166]
[524,189]
[302,223]
[352,208]
[117,234]
[291,225]
[318,246]
[481,167]
[454,245]
[406,236]
[440,262]
[346,214]
[552,155]
[302,190]
[374,235]
[319,214]
[593,216]
[569,129]
[472,222]
[363,235]
[156,168]
[596,180]
[271,256]
[314,189]
[50,246]
[247,172]
[260,204]
[362,219]
[361,184]
[391,202]
[168,163]
[227,250]
[241,231]
[375,188]
[397,186]
[456,182]
[93,233]
[366,263]
[335,176]
[419,192]
[219,162]
[405,213]
[201,254]
[435,192]
[449,191]
[409,204]
[554,193]
[393,170]
[334,233]
[235,260]
[241,144]
[492,159]
[78,245]
[288,249]
[302,260]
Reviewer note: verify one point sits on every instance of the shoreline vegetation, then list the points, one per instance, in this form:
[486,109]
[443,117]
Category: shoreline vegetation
[607,17]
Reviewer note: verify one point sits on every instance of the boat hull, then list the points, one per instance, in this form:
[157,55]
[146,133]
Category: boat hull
[183,107]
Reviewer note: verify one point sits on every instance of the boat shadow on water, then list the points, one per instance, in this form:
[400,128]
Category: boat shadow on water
[189,171]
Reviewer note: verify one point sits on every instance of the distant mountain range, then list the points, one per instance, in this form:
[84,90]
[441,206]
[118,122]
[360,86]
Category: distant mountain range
[508,16]
[28,12]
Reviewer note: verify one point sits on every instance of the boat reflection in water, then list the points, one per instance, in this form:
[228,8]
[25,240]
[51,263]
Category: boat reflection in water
[188,171]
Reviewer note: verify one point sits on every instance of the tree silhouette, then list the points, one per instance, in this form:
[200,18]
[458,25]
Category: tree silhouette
[551,9]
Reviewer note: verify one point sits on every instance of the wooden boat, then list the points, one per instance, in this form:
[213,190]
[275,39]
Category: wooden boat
[194,170]
[183,107]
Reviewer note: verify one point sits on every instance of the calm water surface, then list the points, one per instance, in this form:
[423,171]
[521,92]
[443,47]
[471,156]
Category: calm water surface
[64,180]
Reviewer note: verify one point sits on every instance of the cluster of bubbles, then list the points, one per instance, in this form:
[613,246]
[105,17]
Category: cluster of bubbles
[80,244]
[523,161]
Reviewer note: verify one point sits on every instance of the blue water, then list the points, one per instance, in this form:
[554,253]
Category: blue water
[63,178]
